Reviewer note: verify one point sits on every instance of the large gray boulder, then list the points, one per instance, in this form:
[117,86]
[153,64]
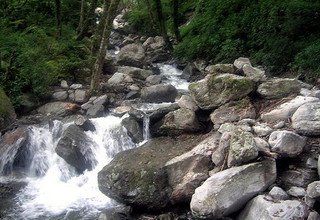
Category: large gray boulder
[242,147]
[232,112]
[7,113]
[188,171]
[298,176]
[134,129]
[227,191]
[306,120]
[214,91]
[313,190]
[75,147]
[135,72]
[58,108]
[187,102]
[138,177]
[180,121]
[131,55]
[284,111]
[159,93]
[286,143]
[263,207]
[280,88]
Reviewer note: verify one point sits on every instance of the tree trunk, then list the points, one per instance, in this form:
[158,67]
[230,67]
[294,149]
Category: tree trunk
[151,15]
[97,67]
[175,16]
[90,20]
[58,18]
[162,23]
[99,32]
[81,20]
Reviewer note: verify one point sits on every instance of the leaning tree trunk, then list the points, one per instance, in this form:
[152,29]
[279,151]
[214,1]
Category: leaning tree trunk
[175,16]
[58,18]
[90,20]
[97,67]
[151,15]
[101,26]
[162,23]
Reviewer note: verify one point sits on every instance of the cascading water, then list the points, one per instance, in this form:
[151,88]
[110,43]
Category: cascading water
[54,190]
[173,76]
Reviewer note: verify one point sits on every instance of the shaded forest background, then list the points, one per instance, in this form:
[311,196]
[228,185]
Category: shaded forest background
[42,42]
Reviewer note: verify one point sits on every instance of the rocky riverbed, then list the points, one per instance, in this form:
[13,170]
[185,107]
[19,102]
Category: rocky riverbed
[236,145]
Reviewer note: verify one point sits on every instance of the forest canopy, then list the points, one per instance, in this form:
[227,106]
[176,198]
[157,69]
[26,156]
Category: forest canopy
[42,42]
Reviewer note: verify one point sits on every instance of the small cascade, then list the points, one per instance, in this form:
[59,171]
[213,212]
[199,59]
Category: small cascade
[54,189]
[146,127]
[172,73]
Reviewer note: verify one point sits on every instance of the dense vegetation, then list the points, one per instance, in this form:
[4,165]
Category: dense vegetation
[44,41]
[280,35]
[33,57]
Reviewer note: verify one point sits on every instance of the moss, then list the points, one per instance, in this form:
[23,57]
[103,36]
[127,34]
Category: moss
[193,86]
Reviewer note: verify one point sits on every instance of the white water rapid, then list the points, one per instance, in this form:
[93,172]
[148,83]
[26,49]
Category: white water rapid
[54,190]
[173,74]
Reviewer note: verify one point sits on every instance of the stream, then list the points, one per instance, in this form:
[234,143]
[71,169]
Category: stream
[51,188]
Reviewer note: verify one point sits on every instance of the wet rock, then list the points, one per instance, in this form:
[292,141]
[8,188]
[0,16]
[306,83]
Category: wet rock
[119,78]
[214,91]
[96,110]
[154,79]
[280,88]
[75,148]
[58,108]
[84,123]
[188,171]
[254,73]
[134,129]
[138,177]
[306,120]
[284,111]
[131,55]
[220,68]
[261,207]
[313,190]
[60,96]
[313,216]
[187,102]
[286,143]
[64,84]
[159,93]
[262,130]
[227,191]
[180,121]
[241,61]
[242,148]
[135,72]
[296,191]
[232,112]
[191,73]
[300,177]
[116,213]
[278,194]
[80,95]
[76,86]
[14,150]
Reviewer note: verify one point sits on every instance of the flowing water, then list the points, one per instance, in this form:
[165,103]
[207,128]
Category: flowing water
[53,188]
[173,76]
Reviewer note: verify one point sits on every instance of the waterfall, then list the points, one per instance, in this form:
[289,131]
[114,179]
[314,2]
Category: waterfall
[146,125]
[54,189]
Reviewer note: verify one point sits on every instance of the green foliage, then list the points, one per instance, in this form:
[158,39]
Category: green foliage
[280,35]
[31,58]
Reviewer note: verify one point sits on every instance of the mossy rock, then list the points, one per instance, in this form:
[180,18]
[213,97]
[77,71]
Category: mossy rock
[138,177]
[7,113]
[280,88]
[214,91]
